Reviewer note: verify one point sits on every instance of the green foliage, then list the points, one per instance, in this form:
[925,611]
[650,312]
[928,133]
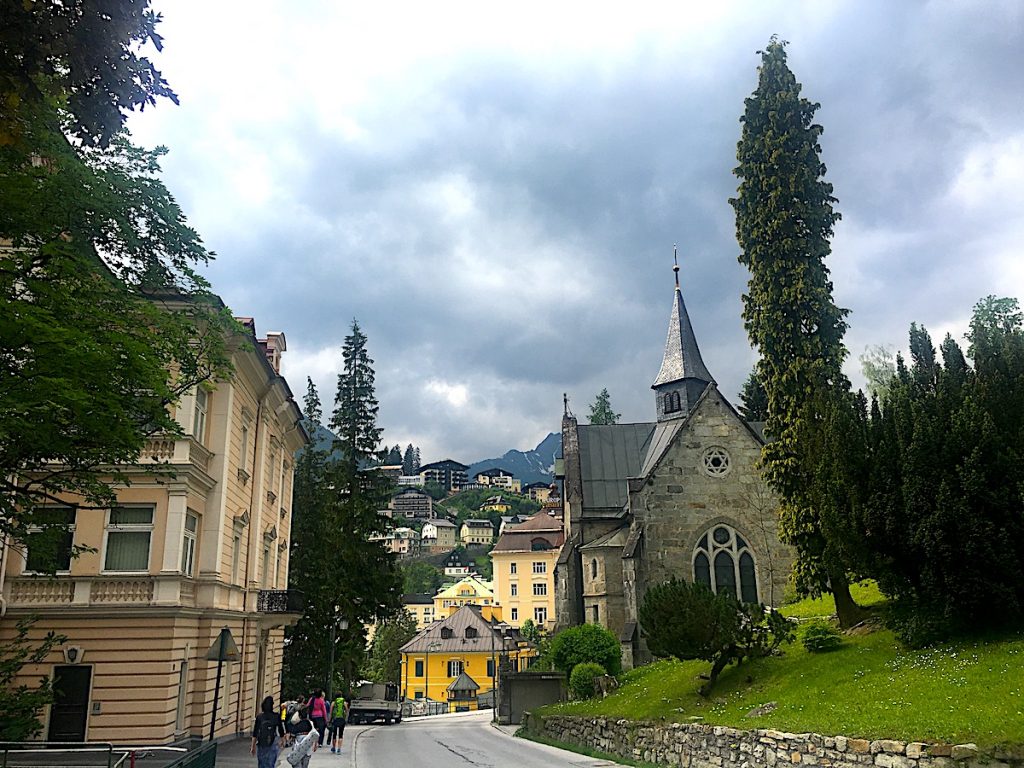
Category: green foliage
[601,410]
[465,504]
[754,398]
[342,573]
[941,509]
[530,631]
[784,221]
[101,277]
[436,491]
[585,643]
[21,705]
[819,635]
[865,593]
[878,364]
[581,681]
[411,462]
[384,660]
[871,687]
[689,621]
[421,578]
[86,53]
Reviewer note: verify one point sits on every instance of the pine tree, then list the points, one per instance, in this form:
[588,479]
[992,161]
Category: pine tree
[409,461]
[601,411]
[416,464]
[369,582]
[754,399]
[394,456]
[784,221]
[312,564]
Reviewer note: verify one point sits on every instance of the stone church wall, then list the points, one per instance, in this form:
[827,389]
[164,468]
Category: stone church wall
[682,501]
[697,745]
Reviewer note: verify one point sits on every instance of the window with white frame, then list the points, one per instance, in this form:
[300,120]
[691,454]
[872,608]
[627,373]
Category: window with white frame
[515,614]
[50,540]
[129,534]
[540,615]
[540,590]
[199,415]
[514,589]
[512,568]
[454,668]
[540,567]
[188,544]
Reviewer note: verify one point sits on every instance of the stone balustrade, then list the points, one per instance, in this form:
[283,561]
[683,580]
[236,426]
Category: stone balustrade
[138,590]
[171,450]
[42,591]
[697,745]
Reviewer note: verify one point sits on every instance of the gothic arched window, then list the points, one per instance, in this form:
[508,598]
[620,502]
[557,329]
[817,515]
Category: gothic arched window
[724,562]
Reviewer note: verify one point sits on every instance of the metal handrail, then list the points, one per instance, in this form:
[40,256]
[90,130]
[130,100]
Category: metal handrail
[125,752]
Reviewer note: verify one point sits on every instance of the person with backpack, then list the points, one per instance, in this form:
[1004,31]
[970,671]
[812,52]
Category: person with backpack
[339,715]
[305,743]
[317,707]
[265,732]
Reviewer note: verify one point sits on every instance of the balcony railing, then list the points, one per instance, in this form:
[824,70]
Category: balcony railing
[280,601]
[171,450]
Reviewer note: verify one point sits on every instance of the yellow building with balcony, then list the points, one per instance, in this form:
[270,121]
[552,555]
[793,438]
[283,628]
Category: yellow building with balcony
[197,541]
[456,660]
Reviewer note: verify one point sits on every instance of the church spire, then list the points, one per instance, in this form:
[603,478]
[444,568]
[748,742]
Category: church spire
[682,368]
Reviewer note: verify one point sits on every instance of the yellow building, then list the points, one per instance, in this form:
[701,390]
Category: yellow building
[421,608]
[187,550]
[476,532]
[468,591]
[456,660]
[495,504]
[524,570]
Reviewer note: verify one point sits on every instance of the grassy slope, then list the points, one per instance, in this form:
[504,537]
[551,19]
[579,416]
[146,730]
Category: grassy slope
[869,688]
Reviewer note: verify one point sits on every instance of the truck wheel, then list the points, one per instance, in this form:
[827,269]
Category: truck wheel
[398,718]
[387,720]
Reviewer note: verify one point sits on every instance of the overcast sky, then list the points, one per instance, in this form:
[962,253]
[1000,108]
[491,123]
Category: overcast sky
[494,190]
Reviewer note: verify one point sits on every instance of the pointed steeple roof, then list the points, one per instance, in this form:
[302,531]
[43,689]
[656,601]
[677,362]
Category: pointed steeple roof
[682,356]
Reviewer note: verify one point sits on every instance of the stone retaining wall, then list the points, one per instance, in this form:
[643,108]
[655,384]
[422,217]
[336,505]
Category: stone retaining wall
[714,746]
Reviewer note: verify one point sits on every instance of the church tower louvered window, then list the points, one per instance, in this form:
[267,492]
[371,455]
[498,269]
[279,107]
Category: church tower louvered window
[724,562]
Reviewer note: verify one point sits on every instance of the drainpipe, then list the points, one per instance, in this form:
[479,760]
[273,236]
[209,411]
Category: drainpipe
[254,524]
[4,546]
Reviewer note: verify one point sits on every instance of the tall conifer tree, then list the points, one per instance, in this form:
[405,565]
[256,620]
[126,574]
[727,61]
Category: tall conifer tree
[601,411]
[784,221]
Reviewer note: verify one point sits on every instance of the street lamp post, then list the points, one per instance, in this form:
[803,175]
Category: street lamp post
[330,668]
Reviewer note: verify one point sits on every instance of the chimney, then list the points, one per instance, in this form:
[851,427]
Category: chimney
[274,345]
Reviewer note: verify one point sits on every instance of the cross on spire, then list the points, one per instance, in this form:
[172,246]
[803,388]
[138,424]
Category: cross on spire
[675,263]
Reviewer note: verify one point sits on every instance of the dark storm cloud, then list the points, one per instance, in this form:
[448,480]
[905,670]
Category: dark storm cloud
[503,229]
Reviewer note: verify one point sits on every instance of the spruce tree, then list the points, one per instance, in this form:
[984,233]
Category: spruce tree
[784,222]
[416,463]
[409,461]
[753,398]
[601,410]
[311,565]
[369,582]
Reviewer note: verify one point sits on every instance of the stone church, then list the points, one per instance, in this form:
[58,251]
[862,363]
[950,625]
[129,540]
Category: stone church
[679,496]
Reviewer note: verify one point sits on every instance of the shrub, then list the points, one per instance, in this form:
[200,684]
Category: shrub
[689,621]
[820,635]
[581,681]
[588,642]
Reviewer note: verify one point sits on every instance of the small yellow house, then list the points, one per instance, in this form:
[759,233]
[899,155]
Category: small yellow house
[456,660]
[496,504]
[469,591]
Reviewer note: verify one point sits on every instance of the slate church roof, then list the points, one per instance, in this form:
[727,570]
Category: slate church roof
[682,356]
[610,455]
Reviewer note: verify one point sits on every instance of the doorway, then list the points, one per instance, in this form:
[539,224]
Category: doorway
[69,712]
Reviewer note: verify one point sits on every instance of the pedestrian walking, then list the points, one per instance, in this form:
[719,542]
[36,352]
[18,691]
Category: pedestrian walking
[317,707]
[306,741]
[266,731]
[339,716]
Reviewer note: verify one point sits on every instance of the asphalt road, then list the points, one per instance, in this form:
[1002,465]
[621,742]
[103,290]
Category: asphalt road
[445,741]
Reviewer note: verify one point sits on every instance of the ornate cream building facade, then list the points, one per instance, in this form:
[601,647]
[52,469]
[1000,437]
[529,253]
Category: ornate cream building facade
[198,541]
